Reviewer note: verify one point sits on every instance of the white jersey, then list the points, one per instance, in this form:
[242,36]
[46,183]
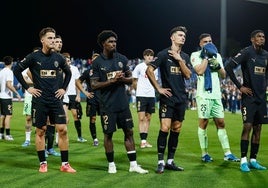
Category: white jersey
[65,98]
[6,75]
[26,78]
[144,86]
[71,89]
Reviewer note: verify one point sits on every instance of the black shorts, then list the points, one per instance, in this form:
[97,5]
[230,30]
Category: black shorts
[92,109]
[6,106]
[72,102]
[145,104]
[175,112]
[122,119]
[253,112]
[54,111]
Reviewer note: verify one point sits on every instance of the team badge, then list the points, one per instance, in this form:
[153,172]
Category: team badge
[56,64]
[120,64]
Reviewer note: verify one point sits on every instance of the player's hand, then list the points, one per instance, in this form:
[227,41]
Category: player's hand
[214,65]
[246,91]
[90,95]
[60,93]
[78,98]
[119,75]
[165,91]
[176,55]
[19,97]
[34,92]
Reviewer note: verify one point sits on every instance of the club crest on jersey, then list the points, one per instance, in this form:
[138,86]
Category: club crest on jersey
[91,72]
[120,64]
[56,63]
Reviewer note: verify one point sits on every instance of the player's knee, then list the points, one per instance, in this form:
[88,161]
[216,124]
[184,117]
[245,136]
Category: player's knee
[62,131]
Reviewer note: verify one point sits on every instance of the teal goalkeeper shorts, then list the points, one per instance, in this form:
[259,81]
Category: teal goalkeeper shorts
[209,108]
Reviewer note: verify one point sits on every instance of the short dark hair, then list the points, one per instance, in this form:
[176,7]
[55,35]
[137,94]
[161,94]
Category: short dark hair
[8,60]
[66,55]
[204,35]
[104,35]
[45,31]
[58,37]
[254,33]
[148,52]
[178,28]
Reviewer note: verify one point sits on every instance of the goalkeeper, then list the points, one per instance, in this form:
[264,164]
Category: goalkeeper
[208,65]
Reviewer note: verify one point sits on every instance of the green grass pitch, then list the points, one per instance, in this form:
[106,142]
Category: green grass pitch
[19,166]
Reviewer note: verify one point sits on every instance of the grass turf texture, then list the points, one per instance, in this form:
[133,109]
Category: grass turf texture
[19,166]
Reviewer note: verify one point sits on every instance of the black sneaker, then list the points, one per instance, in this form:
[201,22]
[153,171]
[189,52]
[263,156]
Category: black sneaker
[160,168]
[172,166]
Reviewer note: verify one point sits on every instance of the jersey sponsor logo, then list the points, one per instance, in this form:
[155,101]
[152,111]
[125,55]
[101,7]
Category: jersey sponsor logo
[175,70]
[48,73]
[111,75]
[259,70]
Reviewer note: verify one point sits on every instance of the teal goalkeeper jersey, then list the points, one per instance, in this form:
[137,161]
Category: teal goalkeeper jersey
[216,88]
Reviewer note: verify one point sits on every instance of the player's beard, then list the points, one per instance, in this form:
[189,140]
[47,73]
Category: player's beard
[113,50]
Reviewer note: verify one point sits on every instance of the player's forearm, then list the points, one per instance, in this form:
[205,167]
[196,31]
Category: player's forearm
[150,74]
[229,69]
[185,70]
[13,89]
[79,87]
[17,72]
